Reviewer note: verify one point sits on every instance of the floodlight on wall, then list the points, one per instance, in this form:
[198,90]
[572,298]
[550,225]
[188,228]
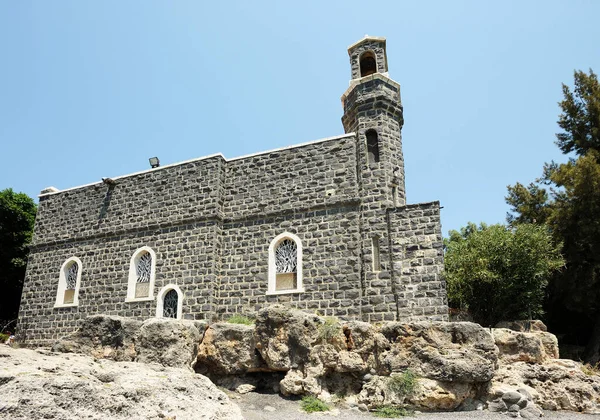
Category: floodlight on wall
[154,162]
[109,181]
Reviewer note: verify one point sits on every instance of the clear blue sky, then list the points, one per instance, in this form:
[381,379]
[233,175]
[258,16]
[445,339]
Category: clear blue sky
[91,89]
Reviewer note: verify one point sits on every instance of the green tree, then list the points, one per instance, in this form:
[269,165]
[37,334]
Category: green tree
[498,272]
[17,214]
[570,208]
[580,117]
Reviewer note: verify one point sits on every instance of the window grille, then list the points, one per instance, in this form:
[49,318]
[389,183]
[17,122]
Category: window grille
[286,264]
[144,268]
[71,276]
[170,303]
[372,146]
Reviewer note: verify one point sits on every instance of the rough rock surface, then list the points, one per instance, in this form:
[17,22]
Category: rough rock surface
[444,351]
[168,342]
[40,385]
[104,337]
[228,349]
[529,365]
[323,357]
[285,336]
[515,346]
[509,400]
[157,340]
[557,384]
[458,365]
[523,325]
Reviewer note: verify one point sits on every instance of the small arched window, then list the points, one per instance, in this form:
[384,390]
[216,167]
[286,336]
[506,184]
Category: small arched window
[285,265]
[169,303]
[142,268]
[368,64]
[372,146]
[69,281]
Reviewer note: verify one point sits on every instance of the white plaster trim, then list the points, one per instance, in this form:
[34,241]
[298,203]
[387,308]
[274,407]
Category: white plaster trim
[199,159]
[308,143]
[132,279]
[271,286]
[161,296]
[62,285]
[285,292]
[147,299]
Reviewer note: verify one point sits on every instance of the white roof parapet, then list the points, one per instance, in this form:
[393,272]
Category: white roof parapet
[366,38]
[49,190]
[52,190]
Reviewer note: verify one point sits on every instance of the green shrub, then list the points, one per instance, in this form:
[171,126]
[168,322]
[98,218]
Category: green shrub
[3,338]
[329,328]
[312,404]
[404,383]
[240,319]
[391,412]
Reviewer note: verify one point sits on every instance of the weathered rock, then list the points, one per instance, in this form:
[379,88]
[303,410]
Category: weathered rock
[523,325]
[245,388]
[434,395]
[71,386]
[535,347]
[169,342]
[555,385]
[284,337]
[104,337]
[228,349]
[444,351]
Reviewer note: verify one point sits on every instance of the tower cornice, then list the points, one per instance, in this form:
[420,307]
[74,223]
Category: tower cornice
[373,77]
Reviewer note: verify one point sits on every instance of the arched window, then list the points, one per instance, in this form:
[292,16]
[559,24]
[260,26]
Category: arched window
[368,64]
[69,281]
[372,146]
[285,265]
[169,302]
[142,267]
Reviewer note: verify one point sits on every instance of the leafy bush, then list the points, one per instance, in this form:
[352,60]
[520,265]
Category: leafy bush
[240,319]
[312,404]
[329,328]
[404,383]
[391,412]
[498,272]
[3,338]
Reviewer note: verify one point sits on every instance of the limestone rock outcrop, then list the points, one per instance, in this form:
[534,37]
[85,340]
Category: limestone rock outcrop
[529,365]
[42,385]
[321,356]
[228,349]
[430,366]
[167,342]
[157,340]
[104,337]
[443,351]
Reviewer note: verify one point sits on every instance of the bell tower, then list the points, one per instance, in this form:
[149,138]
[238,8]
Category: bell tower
[373,110]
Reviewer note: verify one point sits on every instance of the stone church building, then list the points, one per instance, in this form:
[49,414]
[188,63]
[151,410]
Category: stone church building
[322,226]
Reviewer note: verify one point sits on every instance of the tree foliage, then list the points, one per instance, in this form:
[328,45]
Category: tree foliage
[500,273]
[17,214]
[580,118]
[566,199]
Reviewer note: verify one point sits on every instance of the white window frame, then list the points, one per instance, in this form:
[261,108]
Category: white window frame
[272,282]
[132,280]
[160,300]
[62,284]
